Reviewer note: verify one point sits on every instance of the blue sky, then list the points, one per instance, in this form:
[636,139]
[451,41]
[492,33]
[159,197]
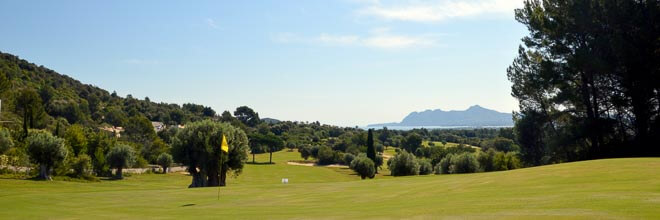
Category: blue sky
[344,62]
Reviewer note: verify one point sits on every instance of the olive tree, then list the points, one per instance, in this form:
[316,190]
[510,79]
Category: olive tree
[46,150]
[165,161]
[120,156]
[464,163]
[403,164]
[197,146]
[364,167]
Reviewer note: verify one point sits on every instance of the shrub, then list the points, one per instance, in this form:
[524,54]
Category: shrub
[348,158]
[403,164]
[443,166]
[380,147]
[485,159]
[364,167]
[326,156]
[315,151]
[464,163]
[82,166]
[425,167]
[140,162]
[5,140]
[165,160]
[379,162]
[506,161]
[338,157]
[513,161]
[120,157]
[305,152]
[419,152]
[437,169]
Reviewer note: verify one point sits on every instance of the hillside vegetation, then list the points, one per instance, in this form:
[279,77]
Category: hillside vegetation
[600,189]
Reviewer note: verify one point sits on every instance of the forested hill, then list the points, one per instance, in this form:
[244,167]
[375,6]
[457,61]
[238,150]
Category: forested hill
[54,98]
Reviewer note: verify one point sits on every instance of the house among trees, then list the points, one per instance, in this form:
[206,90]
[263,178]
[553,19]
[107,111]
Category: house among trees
[158,126]
[116,131]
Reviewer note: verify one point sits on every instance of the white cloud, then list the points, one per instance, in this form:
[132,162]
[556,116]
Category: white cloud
[211,23]
[380,38]
[440,10]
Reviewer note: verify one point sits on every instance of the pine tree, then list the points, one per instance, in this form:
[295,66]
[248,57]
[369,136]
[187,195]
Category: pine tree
[371,150]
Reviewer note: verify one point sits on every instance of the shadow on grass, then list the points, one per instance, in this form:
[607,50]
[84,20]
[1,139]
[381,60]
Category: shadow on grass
[260,163]
[187,205]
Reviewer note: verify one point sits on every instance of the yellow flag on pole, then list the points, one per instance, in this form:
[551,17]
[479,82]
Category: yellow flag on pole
[224,147]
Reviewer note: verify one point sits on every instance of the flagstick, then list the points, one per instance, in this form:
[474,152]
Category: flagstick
[220,177]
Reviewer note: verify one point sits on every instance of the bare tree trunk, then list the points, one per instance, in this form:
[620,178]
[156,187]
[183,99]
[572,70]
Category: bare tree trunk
[44,172]
[223,176]
[198,178]
[119,175]
[271,157]
[164,170]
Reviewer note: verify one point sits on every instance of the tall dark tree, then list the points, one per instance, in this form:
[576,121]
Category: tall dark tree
[371,150]
[587,79]
[248,116]
[29,104]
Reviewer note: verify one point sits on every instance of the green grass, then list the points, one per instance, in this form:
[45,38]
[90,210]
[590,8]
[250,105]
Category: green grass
[439,143]
[599,189]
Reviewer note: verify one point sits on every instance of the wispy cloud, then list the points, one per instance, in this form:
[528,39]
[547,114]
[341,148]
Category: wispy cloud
[439,10]
[211,23]
[381,38]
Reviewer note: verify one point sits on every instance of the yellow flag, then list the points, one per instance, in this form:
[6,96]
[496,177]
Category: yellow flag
[224,147]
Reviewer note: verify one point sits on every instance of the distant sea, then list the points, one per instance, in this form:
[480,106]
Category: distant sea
[406,128]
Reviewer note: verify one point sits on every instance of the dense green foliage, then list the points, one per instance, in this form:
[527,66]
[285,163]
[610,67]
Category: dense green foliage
[46,150]
[119,157]
[443,166]
[371,150]
[586,78]
[6,141]
[165,161]
[326,156]
[425,167]
[363,166]
[403,164]
[198,147]
[463,163]
[37,96]
[82,166]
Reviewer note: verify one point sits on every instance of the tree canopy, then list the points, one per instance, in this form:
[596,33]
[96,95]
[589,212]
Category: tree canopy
[198,147]
[587,79]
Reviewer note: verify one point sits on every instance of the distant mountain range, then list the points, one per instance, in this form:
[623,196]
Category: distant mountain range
[475,116]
